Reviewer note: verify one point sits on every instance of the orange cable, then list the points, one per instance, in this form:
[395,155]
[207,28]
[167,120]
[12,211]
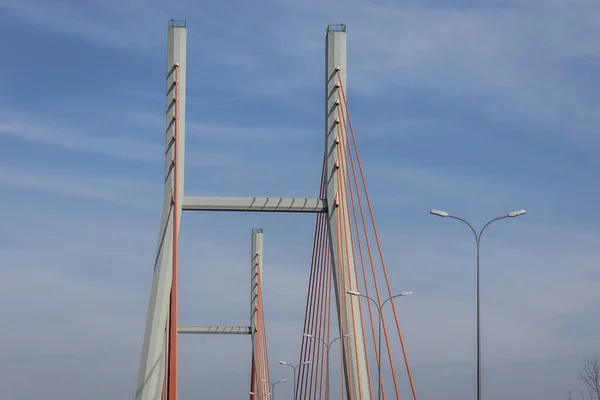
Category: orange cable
[341,281]
[383,323]
[312,299]
[346,239]
[357,230]
[308,308]
[342,369]
[263,367]
[166,362]
[258,333]
[374,276]
[317,350]
[375,280]
[264,335]
[316,332]
[252,377]
[308,344]
[173,306]
[379,247]
[264,338]
[326,306]
[327,265]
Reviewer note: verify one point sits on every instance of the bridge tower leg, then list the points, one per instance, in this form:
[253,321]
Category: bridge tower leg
[152,372]
[160,337]
[260,366]
[338,220]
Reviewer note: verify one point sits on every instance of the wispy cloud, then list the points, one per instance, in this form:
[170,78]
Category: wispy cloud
[510,62]
[123,24]
[221,132]
[38,129]
[111,190]
[25,127]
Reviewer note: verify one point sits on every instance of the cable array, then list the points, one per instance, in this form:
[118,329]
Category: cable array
[169,389]
[360,260]
[359,267]
[260,376]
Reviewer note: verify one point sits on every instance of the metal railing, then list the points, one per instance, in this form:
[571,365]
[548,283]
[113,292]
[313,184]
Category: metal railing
[336,28]
[177,23]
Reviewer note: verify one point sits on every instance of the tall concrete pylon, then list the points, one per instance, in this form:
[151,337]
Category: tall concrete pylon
[152,381]
[338,219]
[153,363]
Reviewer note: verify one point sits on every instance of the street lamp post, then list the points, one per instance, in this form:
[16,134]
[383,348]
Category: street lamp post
[327,346]
[380,310]
[445,214]
[294,368]
[273,386]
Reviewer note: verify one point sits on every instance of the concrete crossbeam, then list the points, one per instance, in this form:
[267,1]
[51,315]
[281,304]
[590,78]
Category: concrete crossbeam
[254,204]
[215,330]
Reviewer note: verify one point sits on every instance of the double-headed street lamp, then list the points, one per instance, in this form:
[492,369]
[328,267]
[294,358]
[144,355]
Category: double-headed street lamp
[294,367]
[445,214]
[327,346]
[380,310]
[273,386]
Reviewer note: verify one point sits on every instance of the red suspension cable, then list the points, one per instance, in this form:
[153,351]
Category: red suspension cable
[173,306]
[378,241]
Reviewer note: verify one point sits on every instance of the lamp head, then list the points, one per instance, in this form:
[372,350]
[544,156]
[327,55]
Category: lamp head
[439,213]
[516,213]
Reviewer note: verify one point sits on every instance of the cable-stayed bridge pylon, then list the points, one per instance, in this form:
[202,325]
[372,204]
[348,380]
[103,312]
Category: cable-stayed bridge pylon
[344,260]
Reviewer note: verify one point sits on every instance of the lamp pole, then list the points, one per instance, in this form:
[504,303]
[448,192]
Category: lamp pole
[380,310]
[294,368]
[445,214]
[273,386]
[327,346]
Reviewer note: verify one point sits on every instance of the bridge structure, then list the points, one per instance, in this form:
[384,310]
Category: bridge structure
[347,263]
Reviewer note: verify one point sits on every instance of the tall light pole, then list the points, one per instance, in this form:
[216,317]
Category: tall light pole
[273,386]
[327,346]
[380,310]
[445,214]
[294,368]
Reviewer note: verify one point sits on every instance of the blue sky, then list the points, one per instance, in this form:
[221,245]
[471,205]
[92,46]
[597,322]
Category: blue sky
[477,108]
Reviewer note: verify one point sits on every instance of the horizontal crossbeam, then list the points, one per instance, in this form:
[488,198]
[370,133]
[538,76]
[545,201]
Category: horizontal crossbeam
[215,330]
[254,204]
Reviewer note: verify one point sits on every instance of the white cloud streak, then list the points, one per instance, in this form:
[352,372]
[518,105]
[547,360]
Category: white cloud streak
[111,190]
[511,62]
